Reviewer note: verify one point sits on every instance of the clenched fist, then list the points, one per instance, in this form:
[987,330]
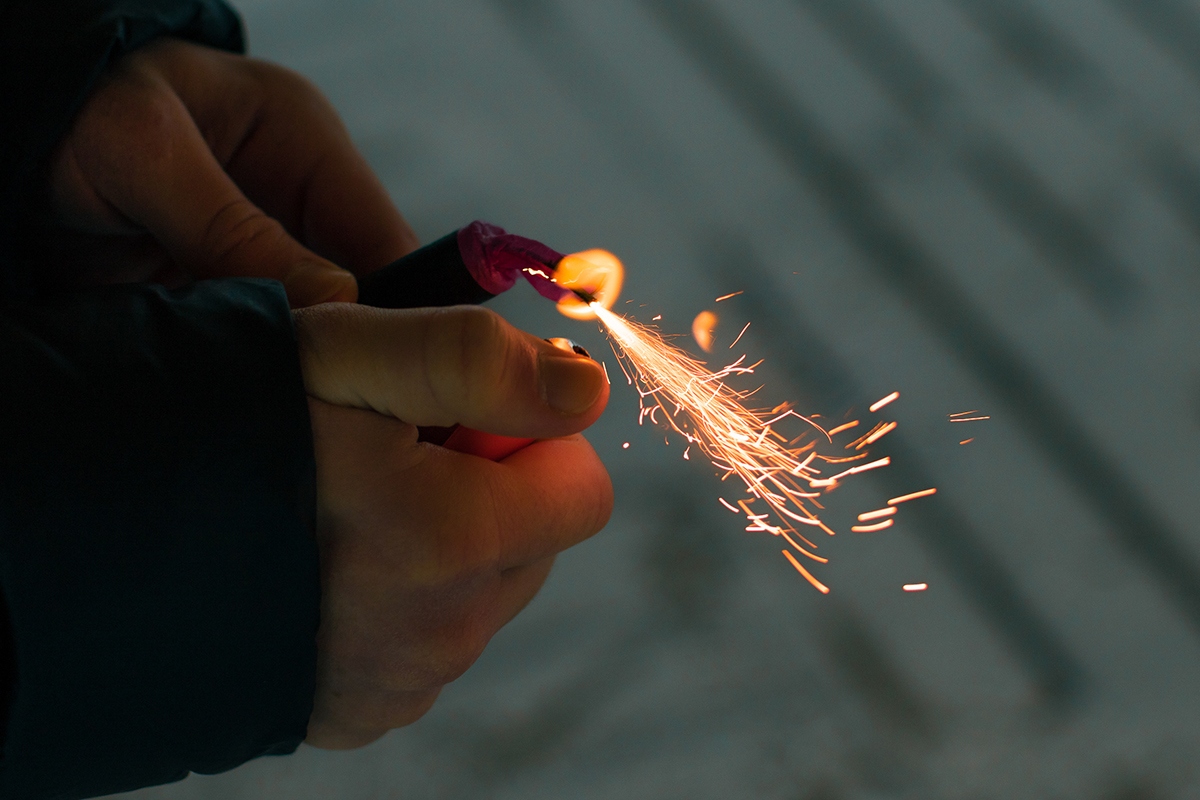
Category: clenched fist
[425,552]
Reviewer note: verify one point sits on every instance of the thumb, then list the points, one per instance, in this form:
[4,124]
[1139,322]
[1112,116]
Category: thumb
[442,366]
[140,153]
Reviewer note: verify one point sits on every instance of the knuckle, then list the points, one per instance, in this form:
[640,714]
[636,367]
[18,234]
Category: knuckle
[467,357]
[434,660]
[134,109]
[408,709]
[289,87]
[239,230]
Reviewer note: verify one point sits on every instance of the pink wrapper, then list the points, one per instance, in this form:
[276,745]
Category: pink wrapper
[496,259]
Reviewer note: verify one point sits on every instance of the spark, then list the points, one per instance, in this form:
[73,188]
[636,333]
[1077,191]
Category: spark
[841,428]
[969,419]
[883,462]
[861,441]
[625,446]
[904,498]
[965,441]
[822,588]
[878,404]
[739,336]
[878,526]
[879,434]
[727,296]
[882,512]
[606,380]
[915,587]
[656,319]
[725,503]
[963,413]
[698,405]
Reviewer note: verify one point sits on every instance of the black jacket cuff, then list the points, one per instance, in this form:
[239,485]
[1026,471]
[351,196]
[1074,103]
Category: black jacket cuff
[156,504]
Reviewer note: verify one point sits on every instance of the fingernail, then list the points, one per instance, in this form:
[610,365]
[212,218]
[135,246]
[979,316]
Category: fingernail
[312,282]
[570,385]
[570,345]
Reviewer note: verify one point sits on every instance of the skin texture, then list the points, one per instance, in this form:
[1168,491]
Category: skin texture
[189,163]
[426,553]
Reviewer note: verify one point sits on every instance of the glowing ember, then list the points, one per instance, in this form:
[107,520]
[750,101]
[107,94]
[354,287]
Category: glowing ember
[879,434]
[969,419]
[904,498]
[878,404]
[965,441]
[915,587]
[702,329]
[830,482]
[963,413]
[680,392]
[739,336]
[822,588]
[727,296]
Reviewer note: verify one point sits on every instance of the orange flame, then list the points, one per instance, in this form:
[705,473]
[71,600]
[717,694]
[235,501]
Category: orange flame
[597,272]
[702,329]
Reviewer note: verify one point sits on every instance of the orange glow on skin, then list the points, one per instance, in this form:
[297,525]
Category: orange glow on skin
[702,330]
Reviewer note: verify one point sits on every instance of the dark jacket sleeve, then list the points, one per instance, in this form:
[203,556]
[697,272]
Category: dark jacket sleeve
[158,578]
[155,545]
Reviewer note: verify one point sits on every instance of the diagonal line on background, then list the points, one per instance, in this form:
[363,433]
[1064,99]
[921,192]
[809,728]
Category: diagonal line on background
[988,587]
[751,88]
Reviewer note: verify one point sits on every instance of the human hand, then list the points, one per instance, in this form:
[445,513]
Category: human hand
[188,162]
[425,552]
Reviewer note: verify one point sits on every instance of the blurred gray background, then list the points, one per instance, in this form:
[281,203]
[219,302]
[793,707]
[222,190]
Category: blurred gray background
[985,204]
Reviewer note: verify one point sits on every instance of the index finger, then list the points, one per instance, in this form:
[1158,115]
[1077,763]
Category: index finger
[300,166]
[538,502]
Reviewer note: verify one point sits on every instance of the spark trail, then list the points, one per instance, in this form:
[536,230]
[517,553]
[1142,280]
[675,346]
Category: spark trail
[696,403]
